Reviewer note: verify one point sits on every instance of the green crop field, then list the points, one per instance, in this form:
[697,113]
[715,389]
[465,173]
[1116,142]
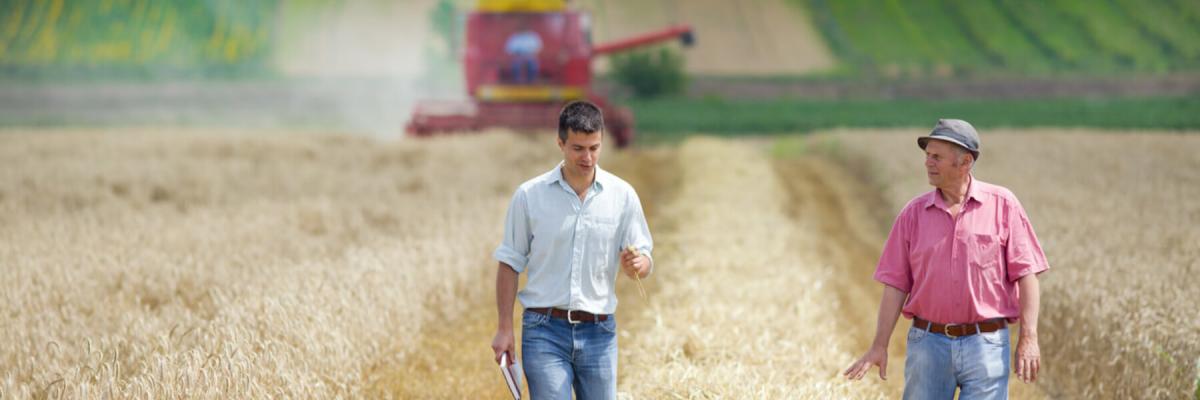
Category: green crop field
[670,119]
[893,38]
[1028,37]
[134,38]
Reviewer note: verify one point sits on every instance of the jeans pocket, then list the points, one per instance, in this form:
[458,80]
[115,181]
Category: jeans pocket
[609,325]
[915,335]
[531,319]
[998,338]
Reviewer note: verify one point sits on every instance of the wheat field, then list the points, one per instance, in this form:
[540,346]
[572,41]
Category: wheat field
[157,263]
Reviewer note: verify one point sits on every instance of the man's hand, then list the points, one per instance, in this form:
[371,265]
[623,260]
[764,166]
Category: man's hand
[1029,358]
[634,263]
[875,356]
[504,343]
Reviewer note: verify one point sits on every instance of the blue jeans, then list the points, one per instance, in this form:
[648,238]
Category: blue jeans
[525,69]
[936,365]
[558,356]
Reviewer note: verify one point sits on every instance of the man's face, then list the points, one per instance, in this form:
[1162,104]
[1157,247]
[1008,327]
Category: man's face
[581,152]
[943,163]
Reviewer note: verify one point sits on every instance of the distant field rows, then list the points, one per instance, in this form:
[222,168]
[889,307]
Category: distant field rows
[220,38]
[120,37]
[765,37]
[140,38]
[942,37]
[920,38]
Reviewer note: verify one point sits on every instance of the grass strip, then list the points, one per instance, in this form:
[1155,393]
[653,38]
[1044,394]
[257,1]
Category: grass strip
[667,119]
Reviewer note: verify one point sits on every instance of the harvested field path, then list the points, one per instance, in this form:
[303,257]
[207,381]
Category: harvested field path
[751,297]
[748,306]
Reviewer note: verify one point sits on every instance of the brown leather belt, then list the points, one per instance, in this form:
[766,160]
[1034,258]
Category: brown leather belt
[573,316]
[956,330]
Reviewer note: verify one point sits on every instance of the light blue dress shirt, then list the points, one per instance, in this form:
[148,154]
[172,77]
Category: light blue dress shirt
[571,248]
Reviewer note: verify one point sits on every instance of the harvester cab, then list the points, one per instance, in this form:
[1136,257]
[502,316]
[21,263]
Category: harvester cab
[522,60]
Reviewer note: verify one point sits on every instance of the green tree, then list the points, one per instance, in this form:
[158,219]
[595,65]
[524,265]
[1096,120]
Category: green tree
[650,73]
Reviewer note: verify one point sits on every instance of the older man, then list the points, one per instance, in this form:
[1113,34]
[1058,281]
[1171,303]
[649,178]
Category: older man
[962,262]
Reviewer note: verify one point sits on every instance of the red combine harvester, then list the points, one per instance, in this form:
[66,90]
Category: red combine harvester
[523,59]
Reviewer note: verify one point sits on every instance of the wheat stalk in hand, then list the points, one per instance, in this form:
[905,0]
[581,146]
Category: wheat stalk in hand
[637,275]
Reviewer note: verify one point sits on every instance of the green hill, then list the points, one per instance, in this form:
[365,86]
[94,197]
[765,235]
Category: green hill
[889,38]
[1019,37]
[135,38]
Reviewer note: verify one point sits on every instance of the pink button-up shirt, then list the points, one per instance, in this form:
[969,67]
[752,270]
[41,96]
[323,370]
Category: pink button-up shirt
[964,269]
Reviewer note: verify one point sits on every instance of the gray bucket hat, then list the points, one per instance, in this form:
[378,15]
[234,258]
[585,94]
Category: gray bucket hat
[954,131]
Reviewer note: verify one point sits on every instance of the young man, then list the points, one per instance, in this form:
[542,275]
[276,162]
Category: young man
[962,262]
[569,229]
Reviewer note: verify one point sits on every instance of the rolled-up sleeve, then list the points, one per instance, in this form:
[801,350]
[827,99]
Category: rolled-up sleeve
[514,249]
[637,231]
[894,269]
[1023,251]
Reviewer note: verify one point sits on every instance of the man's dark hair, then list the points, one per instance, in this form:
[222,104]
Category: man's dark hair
[579,116]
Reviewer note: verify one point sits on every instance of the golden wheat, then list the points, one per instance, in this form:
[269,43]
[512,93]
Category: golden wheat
[169,264]
[155,264]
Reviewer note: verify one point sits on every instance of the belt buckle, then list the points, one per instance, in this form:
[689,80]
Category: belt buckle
[571,321]
[946,330]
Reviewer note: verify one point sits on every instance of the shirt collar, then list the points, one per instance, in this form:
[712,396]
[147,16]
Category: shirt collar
[556,177]
[935,198]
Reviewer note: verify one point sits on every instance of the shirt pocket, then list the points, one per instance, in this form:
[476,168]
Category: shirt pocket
[604,233]
[985,255]
[604,247]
